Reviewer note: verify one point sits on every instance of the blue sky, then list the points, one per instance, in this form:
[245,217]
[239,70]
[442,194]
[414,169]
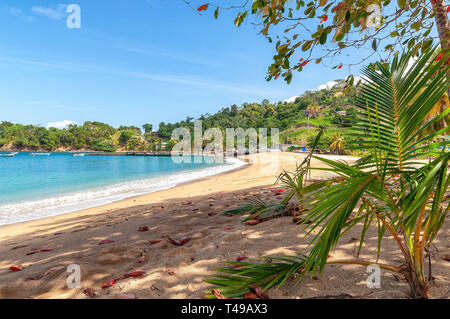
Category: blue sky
[133,62]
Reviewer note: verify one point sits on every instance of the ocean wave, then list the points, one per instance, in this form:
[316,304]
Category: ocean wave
[71,202]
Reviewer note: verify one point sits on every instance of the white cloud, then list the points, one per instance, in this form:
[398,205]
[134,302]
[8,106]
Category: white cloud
[62,124]
[56,13]
[327,86]
[292,99]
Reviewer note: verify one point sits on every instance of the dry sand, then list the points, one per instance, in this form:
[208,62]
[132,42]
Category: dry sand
[192,210]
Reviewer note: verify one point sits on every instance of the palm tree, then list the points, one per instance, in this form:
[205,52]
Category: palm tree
[313,108]
[393,190]
[337,142]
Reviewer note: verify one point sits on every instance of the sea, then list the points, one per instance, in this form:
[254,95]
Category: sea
[34,187]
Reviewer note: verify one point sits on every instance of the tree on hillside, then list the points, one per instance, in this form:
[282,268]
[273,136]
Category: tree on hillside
[147,128]
[125,137]
[313,109]
[133,128]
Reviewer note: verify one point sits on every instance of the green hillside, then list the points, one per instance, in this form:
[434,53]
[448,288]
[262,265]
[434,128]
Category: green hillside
[329,109]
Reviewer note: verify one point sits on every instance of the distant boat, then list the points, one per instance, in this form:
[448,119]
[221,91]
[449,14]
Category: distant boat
[78,155]
[9,155]
[40,154]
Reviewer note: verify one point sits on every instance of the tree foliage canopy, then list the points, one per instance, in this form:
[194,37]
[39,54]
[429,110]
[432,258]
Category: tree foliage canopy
[320,31]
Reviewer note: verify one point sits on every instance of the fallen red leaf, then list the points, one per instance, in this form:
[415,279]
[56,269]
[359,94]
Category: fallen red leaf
[154,241]
[259,292]
[16,268]
[110,283]
[37,277]
[218,294]
[106,241]
[241,258]
[180,242]
[46,249]
[90,292]
[170,272]
[228,228]
[138,274]
[250,295]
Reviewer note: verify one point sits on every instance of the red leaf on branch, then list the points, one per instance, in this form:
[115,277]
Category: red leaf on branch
[448,9]
[203,7]
[324,19]
[440,56]
[340,66]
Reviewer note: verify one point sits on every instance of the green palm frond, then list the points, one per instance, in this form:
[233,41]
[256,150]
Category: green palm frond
[257,208]
[393,188]
[393,111]
[235,281]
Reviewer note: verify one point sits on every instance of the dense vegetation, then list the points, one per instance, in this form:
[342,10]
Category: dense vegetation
[329,109]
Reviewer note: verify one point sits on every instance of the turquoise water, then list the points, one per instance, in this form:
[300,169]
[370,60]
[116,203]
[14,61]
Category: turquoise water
[40,186]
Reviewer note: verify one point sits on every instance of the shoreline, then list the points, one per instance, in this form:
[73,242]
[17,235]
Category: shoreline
[245,163]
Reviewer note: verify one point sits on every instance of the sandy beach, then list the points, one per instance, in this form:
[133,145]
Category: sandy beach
[106,242]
